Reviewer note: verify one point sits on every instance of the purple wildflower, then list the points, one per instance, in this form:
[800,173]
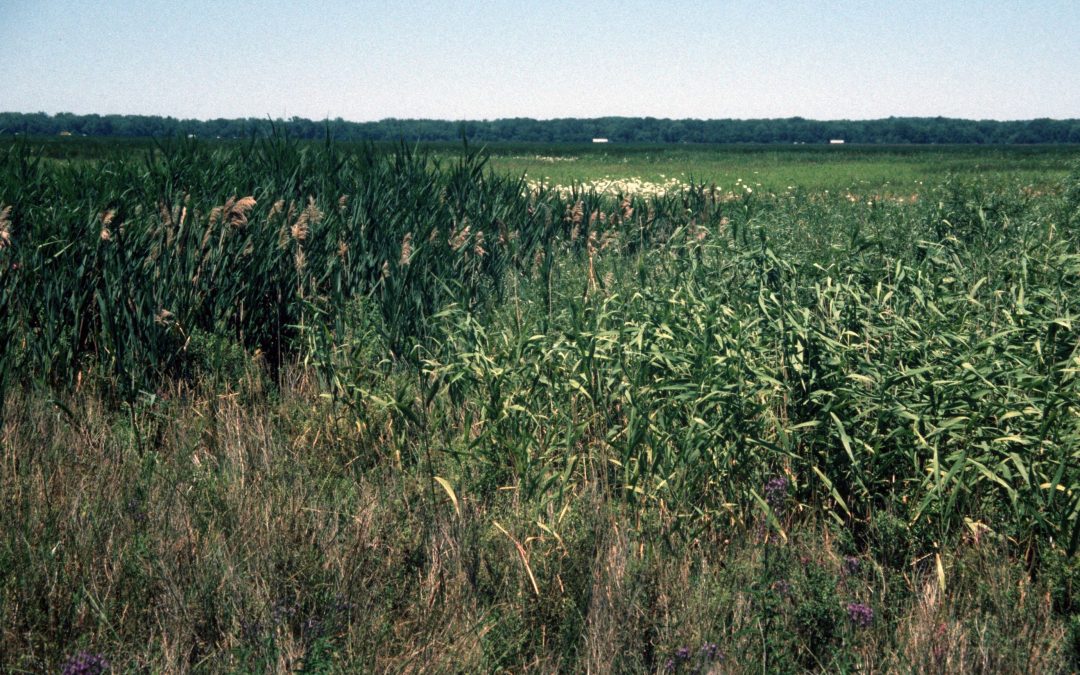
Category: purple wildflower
[860,614]
[136,510]
[782,587]
[776,491]
[85,663]
[851,565]
[682,653]
[709,650]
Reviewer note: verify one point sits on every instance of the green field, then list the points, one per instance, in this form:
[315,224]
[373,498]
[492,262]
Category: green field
[892,169]
[271,406]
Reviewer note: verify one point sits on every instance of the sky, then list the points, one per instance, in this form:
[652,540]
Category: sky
[445,59]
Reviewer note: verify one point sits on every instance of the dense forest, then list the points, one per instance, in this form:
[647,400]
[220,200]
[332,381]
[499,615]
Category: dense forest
[894,130]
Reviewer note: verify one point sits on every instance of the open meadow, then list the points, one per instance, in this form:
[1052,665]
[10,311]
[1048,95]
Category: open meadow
[271,406]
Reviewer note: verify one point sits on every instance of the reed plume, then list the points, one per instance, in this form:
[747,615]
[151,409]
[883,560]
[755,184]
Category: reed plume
[458,240]
[311,215]
[5,227]
[238,214]
[406,250]
[478,246]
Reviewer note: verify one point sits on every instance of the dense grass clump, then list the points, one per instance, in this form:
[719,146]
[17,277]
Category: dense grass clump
[143,267]
[275,406]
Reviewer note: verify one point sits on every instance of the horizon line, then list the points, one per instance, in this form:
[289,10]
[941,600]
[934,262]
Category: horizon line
[267,117]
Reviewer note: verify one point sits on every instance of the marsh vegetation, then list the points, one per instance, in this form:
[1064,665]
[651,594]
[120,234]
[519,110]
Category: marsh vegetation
[277,405]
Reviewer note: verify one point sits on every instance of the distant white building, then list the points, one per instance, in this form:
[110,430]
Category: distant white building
[599,140]
[836,141]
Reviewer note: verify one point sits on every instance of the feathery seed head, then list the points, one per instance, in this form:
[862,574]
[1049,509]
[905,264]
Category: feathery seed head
[458,240]
[5,227]
[406,250]
[237,215]
[164,318]
[478,247]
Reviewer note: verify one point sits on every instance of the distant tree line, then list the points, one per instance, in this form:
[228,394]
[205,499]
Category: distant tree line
[893,130]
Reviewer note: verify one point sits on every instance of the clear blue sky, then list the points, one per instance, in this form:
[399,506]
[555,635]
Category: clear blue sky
[445,59]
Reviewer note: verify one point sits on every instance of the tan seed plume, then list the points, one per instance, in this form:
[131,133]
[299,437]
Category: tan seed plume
[164,317]
[311,215]
[458,240]
[238,214]
[5,227]
[406,250]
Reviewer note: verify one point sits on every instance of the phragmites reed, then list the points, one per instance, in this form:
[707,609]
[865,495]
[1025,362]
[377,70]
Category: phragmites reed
[575,215]
[311,215]
[478,247]
[300,229]
[106,220]
[457,240]
[277,208]
[167,217]
[234,211]
[5,227]
[406,250]
[609,239]
[218,211]
[722,226]
[591,248]
[238,215]
[342,203]
[504,234]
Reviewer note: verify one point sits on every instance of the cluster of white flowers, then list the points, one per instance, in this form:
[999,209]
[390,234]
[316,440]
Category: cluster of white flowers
[615,186]
[548,159]
[883,198]
[740,185]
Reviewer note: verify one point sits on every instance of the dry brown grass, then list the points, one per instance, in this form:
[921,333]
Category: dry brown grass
[224,530]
